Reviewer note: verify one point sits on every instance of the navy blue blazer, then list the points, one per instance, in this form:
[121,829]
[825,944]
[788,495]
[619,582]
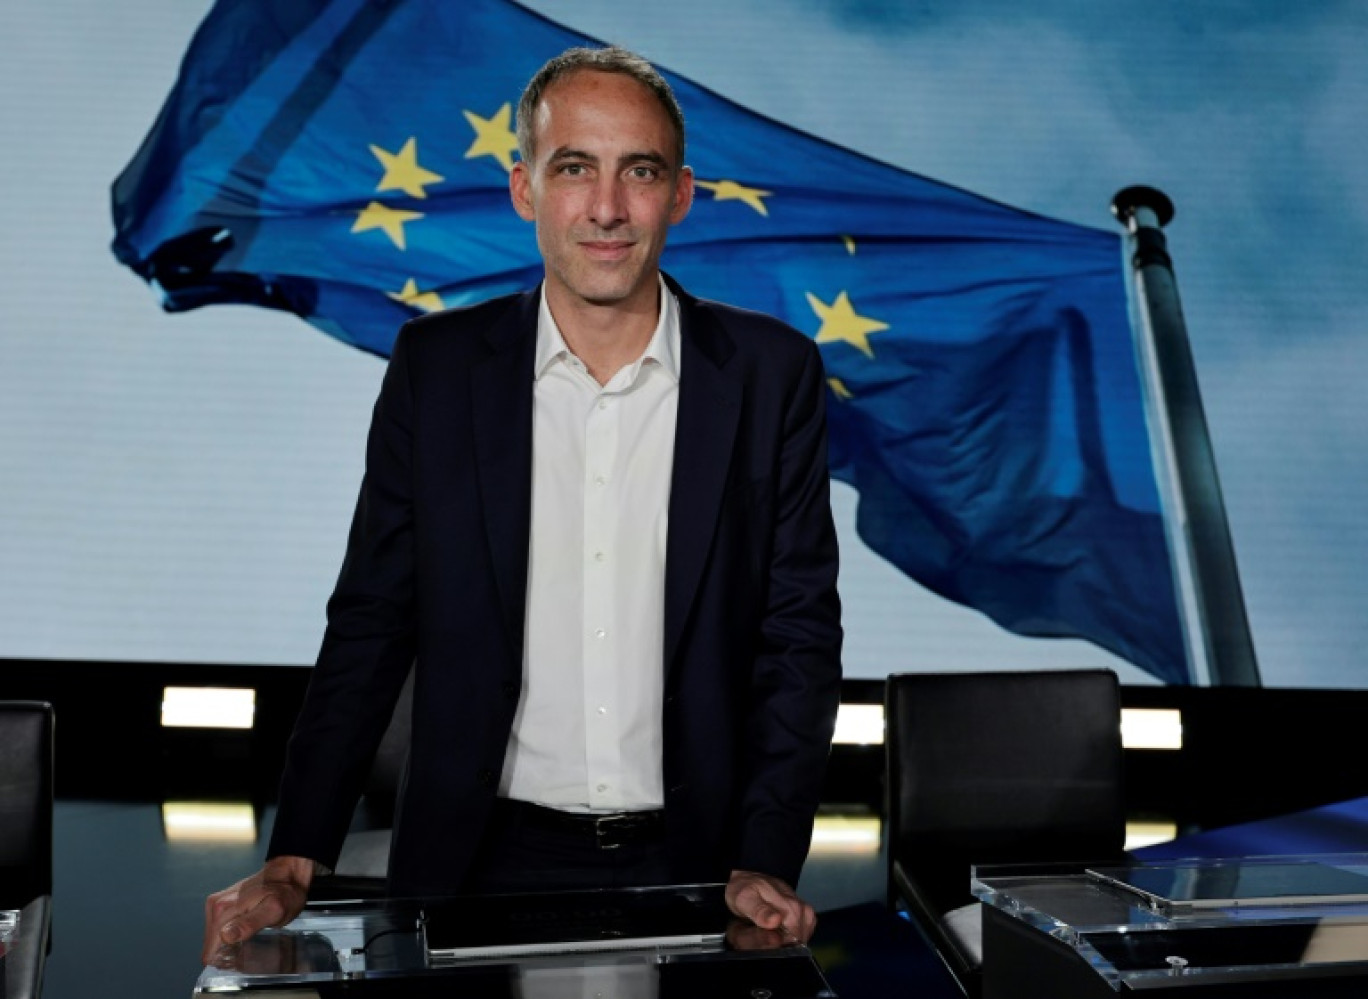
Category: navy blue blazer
[435,576]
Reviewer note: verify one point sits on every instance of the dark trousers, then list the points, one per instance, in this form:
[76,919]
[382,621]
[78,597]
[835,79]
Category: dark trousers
[523,851]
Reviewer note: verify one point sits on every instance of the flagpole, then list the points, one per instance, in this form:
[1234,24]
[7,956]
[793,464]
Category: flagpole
[1220,602]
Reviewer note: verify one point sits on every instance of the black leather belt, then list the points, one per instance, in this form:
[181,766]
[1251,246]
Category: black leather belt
[607,832]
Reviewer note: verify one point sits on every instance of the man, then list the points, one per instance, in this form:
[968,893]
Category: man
[595,520]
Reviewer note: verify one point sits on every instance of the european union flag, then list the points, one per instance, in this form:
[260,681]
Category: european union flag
[347,161]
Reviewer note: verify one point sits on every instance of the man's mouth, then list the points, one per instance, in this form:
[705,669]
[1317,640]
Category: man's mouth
[606,249]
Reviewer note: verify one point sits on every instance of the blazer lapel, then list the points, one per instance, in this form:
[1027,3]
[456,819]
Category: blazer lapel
[501,391]
[708,413]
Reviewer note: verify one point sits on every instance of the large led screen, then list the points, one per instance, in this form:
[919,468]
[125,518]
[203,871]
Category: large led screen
[177,487]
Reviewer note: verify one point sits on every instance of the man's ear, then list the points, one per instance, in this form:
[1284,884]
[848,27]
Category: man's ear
[520,190]
[683,195]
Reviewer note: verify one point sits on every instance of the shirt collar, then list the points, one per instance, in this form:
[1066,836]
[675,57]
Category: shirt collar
[663,347]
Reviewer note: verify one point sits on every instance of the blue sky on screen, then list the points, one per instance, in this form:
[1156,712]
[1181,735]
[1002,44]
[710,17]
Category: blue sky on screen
[207,526]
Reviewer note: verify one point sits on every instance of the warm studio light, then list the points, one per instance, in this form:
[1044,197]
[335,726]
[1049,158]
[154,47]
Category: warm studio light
[1149,832]
[1151,728]
[859,725]
[208,707]
[846,835]
[208,822]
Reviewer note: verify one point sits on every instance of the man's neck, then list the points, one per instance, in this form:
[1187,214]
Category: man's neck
[606,338]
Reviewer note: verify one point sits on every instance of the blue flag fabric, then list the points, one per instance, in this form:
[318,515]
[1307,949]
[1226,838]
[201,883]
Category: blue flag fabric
[347,161]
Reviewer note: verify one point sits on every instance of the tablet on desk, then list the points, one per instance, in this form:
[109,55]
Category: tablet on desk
[1189,887]
[576,922]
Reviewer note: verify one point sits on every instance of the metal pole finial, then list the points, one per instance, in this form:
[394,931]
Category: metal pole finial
[1130,200]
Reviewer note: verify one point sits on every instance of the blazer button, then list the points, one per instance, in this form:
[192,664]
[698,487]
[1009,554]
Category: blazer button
[510,688]
[488,778]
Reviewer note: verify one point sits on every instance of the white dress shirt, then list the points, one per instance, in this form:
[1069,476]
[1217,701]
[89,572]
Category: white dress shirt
[587,735]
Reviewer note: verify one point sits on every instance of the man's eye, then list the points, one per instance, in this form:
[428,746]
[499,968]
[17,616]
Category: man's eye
[572,169]
[643,172]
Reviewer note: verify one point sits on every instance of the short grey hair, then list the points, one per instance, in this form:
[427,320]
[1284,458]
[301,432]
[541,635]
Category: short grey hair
[610,59]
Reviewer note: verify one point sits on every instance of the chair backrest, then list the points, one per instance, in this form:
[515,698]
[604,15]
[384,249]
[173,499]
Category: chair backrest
[999,768]
[26,752]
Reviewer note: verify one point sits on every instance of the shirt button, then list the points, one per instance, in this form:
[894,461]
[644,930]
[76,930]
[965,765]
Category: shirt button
[601,788]
[600,633]
[603,711]
[603,404]
[599,556]
[599,480]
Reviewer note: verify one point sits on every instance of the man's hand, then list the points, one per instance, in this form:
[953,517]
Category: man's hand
[770,904]
[272,896]
[742,934]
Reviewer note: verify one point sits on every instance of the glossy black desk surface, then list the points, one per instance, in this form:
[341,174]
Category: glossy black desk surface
[377,949]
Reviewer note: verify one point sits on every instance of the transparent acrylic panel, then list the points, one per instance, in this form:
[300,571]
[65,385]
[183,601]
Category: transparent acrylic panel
[1209,919]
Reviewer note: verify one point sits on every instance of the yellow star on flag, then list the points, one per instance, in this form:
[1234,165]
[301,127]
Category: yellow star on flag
[402,172]
[840,322]
[428,301]
[839,389]
[730,190]
[849,242]
[493,136]
[391,220]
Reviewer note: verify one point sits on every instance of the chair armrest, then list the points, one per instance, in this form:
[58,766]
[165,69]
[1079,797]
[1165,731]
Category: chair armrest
[26,959]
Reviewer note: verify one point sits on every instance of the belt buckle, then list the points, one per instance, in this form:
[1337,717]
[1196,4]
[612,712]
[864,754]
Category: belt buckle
[604,829]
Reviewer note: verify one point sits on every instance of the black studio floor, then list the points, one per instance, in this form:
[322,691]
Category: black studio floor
[128,904]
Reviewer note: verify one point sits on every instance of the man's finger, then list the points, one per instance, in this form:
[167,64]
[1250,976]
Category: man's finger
[268,907]
[771,904]
[806,924]
[238,918]
[743,934]
[763,914]
[218,908]
[271,897]
[793,918]
[762,908]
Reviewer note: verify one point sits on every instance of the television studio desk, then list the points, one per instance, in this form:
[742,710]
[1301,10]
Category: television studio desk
[1058,931]
[379,948]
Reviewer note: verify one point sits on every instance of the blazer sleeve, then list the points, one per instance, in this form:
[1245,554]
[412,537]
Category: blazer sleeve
[368,646]
[797,670]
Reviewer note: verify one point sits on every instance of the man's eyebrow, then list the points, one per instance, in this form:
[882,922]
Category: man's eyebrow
[570,153]
[646,157]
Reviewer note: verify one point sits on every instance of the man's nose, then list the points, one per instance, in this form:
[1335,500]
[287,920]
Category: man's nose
[609,206]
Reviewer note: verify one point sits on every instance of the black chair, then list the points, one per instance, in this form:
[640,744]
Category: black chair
[26,755]
[987,768]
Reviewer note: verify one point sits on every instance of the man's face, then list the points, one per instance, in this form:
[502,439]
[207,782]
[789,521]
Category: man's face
[603,190]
